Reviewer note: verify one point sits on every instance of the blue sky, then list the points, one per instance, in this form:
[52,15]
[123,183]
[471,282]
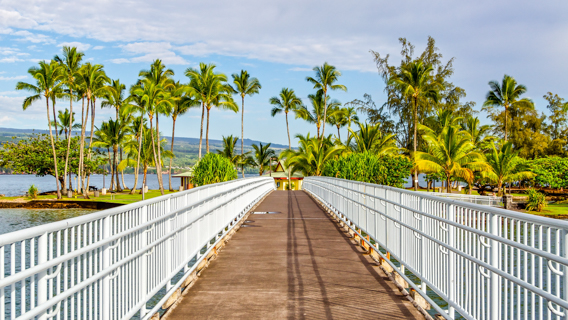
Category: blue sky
[279,42]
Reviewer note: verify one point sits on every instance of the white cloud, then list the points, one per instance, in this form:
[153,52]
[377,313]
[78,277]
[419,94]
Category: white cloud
[80,45]
[98,47]
[6,119]
[13,78]
[12,18]
[119,61]
[151,51]
[33,37]
[10,60]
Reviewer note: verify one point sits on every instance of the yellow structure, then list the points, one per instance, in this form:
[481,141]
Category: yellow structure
[280,175]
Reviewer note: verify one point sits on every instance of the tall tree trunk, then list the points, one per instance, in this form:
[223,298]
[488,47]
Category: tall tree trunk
[288,130]
[122,172]
[82,150]
[159,164]
[172,150]
[55,120]
[338,134]
[506,126]
[68,137]
[243,135]
[115,163]
[138,156]
[207,132]
[201,132]
[415,180]
[318,126]
[54,152]
[324,116]
[111,170]
[153,149]
[145,174]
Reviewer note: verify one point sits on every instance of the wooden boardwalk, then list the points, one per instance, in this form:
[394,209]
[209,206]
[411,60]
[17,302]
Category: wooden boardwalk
[295,265]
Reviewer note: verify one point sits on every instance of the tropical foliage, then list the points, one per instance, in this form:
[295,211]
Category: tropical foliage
[213,168]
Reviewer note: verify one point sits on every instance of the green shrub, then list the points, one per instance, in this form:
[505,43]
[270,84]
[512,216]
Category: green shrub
[550,171]
[367,167]
[536,201]
[33,191]
[213,168]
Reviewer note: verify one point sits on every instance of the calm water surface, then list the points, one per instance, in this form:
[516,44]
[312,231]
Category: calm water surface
[17,219]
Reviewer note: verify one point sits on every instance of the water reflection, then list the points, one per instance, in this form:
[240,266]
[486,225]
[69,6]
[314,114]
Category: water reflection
[17,219]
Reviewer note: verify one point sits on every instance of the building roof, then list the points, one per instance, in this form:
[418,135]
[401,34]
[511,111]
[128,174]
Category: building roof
[282,172]
[184,174]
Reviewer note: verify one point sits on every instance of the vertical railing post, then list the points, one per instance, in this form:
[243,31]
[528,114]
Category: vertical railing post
[565,275]
[495,307]
[422,244]
[451,260]
[42,249]
[143,285]
[105,294]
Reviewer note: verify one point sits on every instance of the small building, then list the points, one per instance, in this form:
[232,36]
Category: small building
[186,177]
[280,175]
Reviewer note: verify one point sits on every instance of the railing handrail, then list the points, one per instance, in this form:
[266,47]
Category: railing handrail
[27,233]
[502,212]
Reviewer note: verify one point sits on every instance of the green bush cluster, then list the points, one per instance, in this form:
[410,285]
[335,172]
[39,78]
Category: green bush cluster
[536,201]
[33,191]
[550,171]
[368,167]
[213,168]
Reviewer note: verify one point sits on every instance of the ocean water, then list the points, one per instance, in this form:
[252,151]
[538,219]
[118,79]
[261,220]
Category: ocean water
[14,219]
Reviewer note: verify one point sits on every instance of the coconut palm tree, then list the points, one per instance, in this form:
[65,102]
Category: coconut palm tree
[318,113]
[182,102]
[416,82]
[229,143]
[161,77]
[477,134]
[146,154]
[452,154]
[262,156]
[311,156]
[155,99]
[507,94]
[112,134]
[350,118]
[325,79]
[506,166]
[285,102]
[64,118]
[199,82]
[113,97]
[71,62]
[370,138]
[48,77]
[336,117]
[244,85]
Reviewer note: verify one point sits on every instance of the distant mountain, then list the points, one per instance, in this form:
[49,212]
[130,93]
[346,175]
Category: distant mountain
[182,140]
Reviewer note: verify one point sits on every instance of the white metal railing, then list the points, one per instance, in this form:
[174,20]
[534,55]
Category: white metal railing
[484,262]
[483,200]
[110,264]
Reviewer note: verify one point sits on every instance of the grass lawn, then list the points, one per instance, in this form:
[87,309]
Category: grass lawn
[554,210]
[122,197]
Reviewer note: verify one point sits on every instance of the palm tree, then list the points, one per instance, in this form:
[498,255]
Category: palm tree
[318,113]
[145,154]
[155,99]
[285,102]
[311,156]
[160,77]
[476,133]
[48,78]
[71,61]
[212,90]
[452,154]
[182,102]
[229,143]
[114,97]
[416,82]
[112,134]
[262,156]
[507,94]
[244,85]
[92,80]
[350,117]
[64,118]
[370,138]
[506,166]
[325,79]
[336,117]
